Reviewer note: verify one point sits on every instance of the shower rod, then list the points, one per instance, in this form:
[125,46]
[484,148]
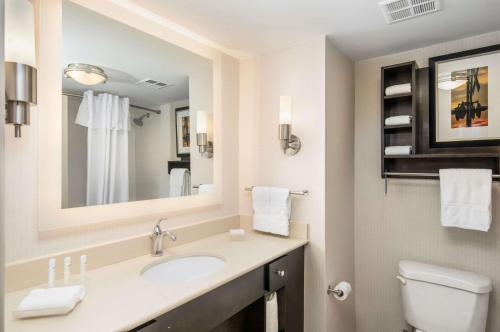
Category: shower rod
[134,106]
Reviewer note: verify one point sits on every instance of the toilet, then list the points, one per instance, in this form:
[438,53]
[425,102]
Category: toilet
[439,299]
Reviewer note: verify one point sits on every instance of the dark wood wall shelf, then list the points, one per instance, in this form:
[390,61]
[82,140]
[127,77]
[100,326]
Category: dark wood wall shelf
[399,104]
[179,164]
[423,159]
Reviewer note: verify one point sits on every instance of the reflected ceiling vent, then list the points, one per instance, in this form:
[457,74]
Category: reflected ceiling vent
[154,84]
[400,10]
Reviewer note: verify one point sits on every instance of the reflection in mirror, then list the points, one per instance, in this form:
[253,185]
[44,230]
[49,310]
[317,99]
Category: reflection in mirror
[129,113]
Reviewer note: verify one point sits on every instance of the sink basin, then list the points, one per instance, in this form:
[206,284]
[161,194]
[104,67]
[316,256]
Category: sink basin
[183,269]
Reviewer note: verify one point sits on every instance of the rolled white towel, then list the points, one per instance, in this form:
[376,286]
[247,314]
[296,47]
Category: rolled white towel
[398,150]
[398,120]
[398,89]
[49,302]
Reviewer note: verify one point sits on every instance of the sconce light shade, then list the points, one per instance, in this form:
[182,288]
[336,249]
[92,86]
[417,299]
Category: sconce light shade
[85,74]
[20,32]
[205,147]
[290,144]
[285,110]
[20,61]
[201,122]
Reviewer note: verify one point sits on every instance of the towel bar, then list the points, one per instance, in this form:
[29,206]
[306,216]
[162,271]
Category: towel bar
[387,175]
[292,192]
[424,175]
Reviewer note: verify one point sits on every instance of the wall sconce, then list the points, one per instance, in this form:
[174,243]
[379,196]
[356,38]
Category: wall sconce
[290,144]
[20,53]
[204,145]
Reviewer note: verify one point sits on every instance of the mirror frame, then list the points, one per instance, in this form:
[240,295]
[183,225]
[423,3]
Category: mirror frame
[51,215]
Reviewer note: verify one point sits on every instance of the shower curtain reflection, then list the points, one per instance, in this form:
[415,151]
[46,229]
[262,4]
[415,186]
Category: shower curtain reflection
[107,118]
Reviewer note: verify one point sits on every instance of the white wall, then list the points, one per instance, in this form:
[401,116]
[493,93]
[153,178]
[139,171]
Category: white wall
[299,72]
[405,224]
[152,153]
[339,222]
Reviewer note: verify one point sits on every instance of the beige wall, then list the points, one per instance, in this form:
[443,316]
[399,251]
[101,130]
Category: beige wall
[339,222]
[298,71]
[405,223]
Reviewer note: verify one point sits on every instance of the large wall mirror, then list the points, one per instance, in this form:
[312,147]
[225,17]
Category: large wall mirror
[130,107]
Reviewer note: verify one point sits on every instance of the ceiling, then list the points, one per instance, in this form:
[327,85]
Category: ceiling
[356,26]
[127,56]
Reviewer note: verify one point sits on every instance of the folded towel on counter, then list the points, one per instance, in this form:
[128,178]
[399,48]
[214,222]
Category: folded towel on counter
[466,198]
[272,208]
[205,189]
[398,89]
[180,182]
[398,150]
[398,120]
[49,302]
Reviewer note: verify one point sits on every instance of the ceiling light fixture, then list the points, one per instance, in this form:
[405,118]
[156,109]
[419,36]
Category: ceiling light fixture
[85,74]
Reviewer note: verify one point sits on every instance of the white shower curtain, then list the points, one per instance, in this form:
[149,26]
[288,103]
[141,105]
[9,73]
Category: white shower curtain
[107,118]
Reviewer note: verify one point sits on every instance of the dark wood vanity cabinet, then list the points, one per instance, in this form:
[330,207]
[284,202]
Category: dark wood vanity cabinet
[240,304]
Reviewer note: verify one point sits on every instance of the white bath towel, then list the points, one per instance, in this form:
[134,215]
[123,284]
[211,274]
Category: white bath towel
[466,198]
[205,189]
[272,208]
[272,312]
[49,302]
[398,89]
[398,120]
[398,150]
[180,182]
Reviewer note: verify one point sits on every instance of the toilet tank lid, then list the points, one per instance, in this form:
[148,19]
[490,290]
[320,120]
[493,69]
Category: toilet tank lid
[439,275]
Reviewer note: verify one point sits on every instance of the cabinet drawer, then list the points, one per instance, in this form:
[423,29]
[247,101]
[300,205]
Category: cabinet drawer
[276,274]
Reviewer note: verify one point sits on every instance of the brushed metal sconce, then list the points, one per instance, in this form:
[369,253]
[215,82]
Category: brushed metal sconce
[205,147]
[290,144]
[20,72]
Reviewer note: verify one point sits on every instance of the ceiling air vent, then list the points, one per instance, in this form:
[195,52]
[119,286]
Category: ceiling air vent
[153,84]
[400,10]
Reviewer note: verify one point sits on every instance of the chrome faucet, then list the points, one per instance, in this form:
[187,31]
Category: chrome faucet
[157,238]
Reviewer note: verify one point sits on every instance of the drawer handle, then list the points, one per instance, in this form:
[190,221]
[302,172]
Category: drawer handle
[281,273]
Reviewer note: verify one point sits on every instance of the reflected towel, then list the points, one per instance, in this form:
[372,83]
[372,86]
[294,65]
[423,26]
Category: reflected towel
[466,198]
[180,182]
[205,189]
[49,302]
[398,89]
[271,207]
[398,150]
[398,120]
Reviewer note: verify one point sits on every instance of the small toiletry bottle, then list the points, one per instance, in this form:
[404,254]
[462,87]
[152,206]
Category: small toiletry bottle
[83,268]
[52,271]
[67,269]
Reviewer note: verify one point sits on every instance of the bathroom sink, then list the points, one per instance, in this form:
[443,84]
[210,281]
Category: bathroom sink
[183,269]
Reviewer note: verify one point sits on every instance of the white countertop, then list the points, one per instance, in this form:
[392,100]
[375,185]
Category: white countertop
[119,299]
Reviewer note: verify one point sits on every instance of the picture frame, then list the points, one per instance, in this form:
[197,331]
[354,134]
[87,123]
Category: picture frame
[182,132]
[464,98]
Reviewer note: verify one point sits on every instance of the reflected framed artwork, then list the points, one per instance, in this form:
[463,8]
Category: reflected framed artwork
[465,98]
[183,130]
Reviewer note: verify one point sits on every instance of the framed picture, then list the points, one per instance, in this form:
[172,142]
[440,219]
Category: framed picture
[464,98]
[182,131]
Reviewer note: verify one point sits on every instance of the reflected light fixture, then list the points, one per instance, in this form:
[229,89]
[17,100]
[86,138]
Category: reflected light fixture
[290,144]
[85,74]
[451,81]
[204,145]
[20,61]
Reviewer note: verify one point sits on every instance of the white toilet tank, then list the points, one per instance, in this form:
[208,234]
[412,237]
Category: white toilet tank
[439,299]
